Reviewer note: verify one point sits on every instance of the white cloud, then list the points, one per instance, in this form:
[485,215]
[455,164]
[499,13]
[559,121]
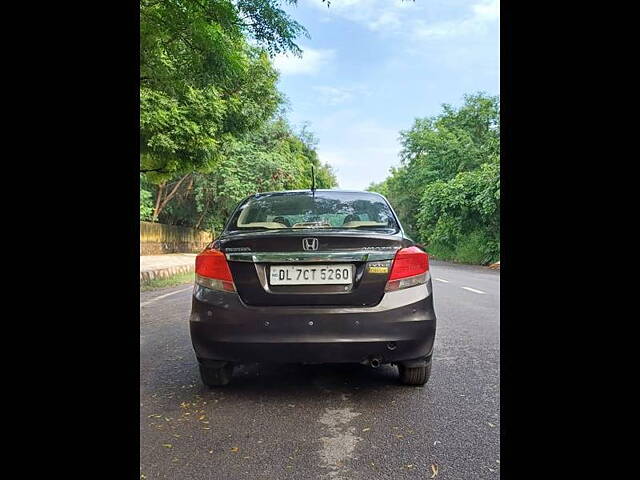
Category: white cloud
[311,62]
[374,14]
[333,96]
[487,10]
[387,19]
[399,16]
[483,13]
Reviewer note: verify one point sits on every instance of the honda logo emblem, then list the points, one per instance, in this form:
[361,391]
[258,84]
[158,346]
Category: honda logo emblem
[310,243]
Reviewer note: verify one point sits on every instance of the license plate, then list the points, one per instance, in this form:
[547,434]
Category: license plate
[311,274]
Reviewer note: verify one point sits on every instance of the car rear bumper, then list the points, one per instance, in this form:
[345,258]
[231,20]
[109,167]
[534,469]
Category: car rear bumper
[400,328]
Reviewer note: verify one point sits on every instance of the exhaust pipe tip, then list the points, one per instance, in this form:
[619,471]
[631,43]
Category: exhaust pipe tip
[375,362]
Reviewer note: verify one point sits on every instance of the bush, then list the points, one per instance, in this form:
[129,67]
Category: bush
[447,190]
[146,205]
[460,219]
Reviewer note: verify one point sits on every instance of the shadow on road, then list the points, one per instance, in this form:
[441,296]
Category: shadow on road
[267,377]
[282,382]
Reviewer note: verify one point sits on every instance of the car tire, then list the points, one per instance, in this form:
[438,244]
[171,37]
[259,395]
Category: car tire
[415,375]
[216,376]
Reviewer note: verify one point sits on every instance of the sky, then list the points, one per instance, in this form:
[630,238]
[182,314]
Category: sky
[370,67]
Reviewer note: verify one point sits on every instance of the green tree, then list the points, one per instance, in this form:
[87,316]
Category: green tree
[267,159]
[202,84]
[446,190]
[146,200]
[200,80]
[460,218]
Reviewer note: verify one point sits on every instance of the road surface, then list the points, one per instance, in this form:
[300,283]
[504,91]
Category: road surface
[327,422]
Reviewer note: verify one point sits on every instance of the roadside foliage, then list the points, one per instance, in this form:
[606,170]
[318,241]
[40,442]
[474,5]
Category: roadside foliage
[212,128]
[447,189]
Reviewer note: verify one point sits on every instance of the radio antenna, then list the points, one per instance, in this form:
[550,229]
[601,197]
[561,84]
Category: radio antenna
[313,181]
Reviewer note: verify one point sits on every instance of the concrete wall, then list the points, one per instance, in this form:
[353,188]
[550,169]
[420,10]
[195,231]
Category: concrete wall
[157,239]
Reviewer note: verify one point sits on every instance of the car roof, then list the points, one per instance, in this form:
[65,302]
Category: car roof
[317,190]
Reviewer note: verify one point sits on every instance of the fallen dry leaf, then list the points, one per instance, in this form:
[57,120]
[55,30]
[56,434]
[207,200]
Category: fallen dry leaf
[234,449]
[167,445]
[434,470]
[366,429]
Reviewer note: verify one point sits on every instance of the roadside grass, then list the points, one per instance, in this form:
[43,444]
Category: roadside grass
[172,281]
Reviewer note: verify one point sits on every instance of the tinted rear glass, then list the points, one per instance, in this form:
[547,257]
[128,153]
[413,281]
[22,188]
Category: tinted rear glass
[328,210]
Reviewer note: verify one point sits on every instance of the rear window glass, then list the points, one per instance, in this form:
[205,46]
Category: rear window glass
[297,210]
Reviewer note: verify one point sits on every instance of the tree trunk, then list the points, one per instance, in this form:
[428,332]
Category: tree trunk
[160,204]
[190,187]
[156,209]
[204,211]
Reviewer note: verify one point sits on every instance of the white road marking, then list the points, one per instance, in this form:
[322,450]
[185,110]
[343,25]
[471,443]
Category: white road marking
[474,290]
[164,296]
[442,280]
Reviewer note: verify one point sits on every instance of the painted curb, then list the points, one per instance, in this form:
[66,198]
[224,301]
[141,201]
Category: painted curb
[149,275]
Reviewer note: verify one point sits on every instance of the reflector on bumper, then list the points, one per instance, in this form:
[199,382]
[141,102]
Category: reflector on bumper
[393,285]
[215,284]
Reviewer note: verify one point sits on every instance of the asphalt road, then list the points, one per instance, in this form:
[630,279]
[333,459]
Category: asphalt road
[327,422]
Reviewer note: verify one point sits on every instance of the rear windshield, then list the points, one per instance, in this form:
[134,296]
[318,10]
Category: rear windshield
[327,210]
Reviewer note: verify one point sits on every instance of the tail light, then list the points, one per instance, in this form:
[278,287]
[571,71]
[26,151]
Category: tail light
[409,268]
[212,271]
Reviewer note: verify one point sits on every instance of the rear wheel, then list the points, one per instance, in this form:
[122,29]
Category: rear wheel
[415,375]
[216,376]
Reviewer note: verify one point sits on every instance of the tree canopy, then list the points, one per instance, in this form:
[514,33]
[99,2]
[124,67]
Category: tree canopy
[269,159]
[447,188]
[211,128]
[201,82]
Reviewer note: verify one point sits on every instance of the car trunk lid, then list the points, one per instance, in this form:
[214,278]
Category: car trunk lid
[251,256]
